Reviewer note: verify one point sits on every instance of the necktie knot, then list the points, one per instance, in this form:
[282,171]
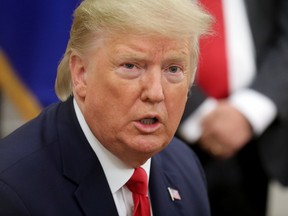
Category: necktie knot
[138,183]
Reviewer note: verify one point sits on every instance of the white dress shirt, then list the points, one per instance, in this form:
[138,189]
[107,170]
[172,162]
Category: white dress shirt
[117,173]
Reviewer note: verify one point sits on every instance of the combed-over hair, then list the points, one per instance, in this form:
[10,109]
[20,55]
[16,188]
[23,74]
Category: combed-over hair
[168,18]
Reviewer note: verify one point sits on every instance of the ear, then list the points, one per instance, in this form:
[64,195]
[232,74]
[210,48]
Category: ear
[78,75]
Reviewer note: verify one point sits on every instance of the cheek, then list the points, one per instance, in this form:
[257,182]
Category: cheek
[175,106]
[109,101]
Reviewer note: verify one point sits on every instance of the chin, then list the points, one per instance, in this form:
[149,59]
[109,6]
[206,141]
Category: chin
[151,145]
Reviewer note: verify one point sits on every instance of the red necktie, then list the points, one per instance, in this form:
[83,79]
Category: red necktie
[212,74]
[138,185]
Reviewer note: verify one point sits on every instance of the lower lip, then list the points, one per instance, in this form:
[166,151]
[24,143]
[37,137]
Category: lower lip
[147,128]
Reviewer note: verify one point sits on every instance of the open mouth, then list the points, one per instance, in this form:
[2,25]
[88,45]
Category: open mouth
[148,121]
[148,124]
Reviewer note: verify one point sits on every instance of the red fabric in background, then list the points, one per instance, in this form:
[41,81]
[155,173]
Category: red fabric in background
[213,70]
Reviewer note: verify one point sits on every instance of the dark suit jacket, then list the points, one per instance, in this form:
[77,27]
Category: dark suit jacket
[269,25]
[47,167]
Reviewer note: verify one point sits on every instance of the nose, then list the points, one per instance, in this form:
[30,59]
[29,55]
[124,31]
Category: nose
[152,86]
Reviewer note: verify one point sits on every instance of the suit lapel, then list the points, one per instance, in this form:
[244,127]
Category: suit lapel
[82,167]
[159,182]
[94,195]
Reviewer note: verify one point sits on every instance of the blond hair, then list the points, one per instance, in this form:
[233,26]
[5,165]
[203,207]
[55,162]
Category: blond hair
[168,18]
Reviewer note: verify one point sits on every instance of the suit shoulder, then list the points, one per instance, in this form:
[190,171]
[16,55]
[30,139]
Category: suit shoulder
[178,148]
[178,156]
[183,172]
[27,139]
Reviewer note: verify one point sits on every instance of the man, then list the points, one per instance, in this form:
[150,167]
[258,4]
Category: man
[244,128]
[124,81]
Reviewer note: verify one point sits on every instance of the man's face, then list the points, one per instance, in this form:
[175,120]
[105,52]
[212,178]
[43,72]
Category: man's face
[132,91]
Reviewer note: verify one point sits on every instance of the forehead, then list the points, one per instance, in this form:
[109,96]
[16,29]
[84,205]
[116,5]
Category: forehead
[148,46]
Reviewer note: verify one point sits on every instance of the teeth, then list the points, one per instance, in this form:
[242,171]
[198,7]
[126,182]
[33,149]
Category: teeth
[148,121]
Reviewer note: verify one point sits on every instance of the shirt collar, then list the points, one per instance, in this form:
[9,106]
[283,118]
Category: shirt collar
[117,173]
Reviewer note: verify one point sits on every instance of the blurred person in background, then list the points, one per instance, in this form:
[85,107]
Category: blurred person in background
[237,116]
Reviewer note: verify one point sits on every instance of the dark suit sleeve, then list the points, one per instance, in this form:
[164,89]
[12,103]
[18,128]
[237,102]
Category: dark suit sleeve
[10,203]
[271,39]
[272,59]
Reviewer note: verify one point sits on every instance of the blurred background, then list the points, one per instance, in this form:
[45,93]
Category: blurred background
[33,37]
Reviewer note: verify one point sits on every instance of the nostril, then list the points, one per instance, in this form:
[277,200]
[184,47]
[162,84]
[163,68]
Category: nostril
[153,94]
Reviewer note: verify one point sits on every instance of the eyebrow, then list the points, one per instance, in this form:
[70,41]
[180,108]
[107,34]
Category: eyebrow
[177,57]
[134,55]
[138,54]
[128,53]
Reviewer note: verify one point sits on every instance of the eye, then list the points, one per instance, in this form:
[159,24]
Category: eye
[129,70]
[128,65]
[174,73]
[174,69]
